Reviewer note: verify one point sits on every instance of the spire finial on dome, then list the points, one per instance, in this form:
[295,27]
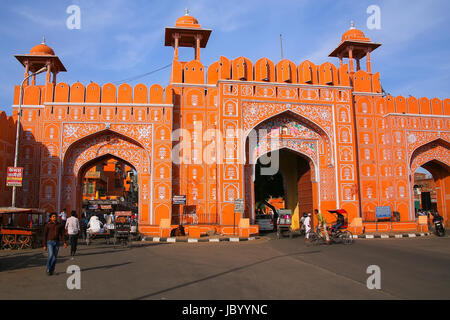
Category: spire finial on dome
[352,24]
[43,40]
[187,12]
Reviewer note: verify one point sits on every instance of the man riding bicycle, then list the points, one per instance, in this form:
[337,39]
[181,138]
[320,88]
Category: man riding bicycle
[322,224]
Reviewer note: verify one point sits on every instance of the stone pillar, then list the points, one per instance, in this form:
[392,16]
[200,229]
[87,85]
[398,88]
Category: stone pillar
[350,56]
[176,38]
[27,72]
[369,65]
[49,71]
[197,47]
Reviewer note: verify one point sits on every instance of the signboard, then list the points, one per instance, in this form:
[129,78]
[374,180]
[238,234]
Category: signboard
[383,212]
[104,202]
[179,200]
[239,205]
[14,177]
[123,213]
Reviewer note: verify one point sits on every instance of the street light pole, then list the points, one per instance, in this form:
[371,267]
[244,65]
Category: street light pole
[16,155]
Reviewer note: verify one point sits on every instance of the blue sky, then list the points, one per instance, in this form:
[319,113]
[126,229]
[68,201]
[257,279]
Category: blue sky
[119,39]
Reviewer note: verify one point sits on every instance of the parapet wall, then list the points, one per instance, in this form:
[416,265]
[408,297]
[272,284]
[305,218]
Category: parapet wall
[94,93]
[285,71]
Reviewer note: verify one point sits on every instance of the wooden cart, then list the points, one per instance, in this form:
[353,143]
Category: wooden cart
[21,228]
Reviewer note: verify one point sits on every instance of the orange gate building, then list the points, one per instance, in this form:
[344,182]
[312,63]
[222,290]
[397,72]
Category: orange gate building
[342,143]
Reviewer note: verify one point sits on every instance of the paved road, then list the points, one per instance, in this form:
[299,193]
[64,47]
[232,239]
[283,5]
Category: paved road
[261,269]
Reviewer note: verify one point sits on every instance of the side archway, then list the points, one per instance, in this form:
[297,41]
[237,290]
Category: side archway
[435,158]
[95,147]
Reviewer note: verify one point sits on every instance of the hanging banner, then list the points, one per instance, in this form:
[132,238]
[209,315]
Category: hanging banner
[14,177]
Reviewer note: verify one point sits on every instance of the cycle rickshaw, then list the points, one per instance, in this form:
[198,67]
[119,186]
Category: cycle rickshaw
[341,235]
[122,228]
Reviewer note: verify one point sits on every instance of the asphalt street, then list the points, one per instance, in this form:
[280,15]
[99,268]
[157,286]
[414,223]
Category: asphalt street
[266,268]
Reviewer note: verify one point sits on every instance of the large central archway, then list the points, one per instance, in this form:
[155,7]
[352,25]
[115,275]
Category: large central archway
[96,147]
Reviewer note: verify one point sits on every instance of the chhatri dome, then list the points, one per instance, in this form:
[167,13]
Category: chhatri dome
[354,34]
[42,50]
[187,21]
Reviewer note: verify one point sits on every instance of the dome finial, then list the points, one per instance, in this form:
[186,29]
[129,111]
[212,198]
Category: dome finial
[352,25]
[187,12]
[43,40]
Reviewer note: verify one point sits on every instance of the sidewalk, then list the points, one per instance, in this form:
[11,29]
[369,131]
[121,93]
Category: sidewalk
[214,238]
[391,234]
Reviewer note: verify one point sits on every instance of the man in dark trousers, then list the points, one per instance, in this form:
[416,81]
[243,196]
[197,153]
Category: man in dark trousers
[73,228]
[53,234]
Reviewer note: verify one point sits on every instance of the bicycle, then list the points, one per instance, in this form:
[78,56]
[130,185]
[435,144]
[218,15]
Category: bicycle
[340,236]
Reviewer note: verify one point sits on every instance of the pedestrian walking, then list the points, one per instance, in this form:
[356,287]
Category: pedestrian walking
[63,217]
[53,235]
[73,229]
[307,225]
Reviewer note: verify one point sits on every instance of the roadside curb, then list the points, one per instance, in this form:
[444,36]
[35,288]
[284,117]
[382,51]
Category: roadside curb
[390,236]
[197,240]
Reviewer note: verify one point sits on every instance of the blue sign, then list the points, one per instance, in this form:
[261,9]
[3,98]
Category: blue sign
[383,212]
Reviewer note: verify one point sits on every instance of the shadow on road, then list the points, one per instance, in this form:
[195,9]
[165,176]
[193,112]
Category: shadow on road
[14,262]
[106,267]
[223,273]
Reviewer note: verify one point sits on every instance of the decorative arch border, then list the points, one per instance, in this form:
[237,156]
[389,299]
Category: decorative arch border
[418,139]
[73,132]
[307,123]
[103,144]
[433,150]
[306,113]
[438,153]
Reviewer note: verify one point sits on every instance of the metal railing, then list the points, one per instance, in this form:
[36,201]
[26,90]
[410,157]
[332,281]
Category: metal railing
[195,219]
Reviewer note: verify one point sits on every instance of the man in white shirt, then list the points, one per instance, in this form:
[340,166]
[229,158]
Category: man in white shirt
[73,228]
[94,225]
[307,224]
[63,217]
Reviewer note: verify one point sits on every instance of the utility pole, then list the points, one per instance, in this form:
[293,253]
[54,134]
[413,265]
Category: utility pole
[281,45]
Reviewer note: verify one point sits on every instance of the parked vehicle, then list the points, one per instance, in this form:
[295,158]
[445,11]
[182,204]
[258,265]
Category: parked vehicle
[122,228]
[283,222]
[439,228]
[264,221]
[26,230]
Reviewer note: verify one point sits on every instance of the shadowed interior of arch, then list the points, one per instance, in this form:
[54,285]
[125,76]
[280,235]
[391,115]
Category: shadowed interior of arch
[110,180]
[291,181]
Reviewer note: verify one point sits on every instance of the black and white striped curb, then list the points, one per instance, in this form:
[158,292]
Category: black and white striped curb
[194,240]
[387,236]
